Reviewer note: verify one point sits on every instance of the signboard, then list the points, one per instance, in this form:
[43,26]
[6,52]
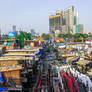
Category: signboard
[12,34]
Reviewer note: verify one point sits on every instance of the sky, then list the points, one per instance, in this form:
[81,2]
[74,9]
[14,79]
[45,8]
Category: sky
[34,14]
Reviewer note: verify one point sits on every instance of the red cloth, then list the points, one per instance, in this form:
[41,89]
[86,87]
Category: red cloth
[40,81]
[71,78]
[69,85]
[34,89]
[74,83]
[63,74]
[76,87]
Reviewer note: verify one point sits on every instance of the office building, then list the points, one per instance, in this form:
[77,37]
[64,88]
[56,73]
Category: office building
[33,32]
[64,22]
[14,27]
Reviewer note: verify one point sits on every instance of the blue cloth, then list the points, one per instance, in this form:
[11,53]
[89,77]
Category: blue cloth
[91,63]
[3,88]
[1,77]
[51,44]
[64,61]
[49,56]
[40,52]
[54,43]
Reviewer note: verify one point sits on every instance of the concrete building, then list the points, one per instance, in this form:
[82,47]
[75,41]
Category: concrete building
[33,32]
[75,18]
[64,21]
[14,28]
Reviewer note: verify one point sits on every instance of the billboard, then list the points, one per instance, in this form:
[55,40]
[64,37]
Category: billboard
[12,34]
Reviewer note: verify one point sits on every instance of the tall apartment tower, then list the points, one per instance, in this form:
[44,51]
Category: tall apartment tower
[63,22]
[14,27]
[68,17]
[55,22]
[76,18]
[33,32]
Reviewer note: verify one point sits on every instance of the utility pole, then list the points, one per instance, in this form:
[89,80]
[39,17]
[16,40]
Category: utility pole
[0,30]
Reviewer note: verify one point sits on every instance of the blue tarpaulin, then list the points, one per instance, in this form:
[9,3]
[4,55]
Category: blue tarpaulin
[3,89]
[91,63]
[49,56]
[1,77]
[40,52]
[64,61]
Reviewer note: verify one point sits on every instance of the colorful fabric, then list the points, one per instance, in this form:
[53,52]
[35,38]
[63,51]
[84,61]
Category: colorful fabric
[69,85]
[1,77]
[56,88]
[74,83]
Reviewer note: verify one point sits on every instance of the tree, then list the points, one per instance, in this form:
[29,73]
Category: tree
[46,36]
[23,36]
[80,36]
[85,35]
[28,36]
[77,36]
[65,36]
[90,36]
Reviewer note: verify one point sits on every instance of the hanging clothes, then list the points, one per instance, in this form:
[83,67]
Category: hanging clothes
[56,88]
[40,84]
[83,79]
[60,79]
[68,80]
[64,80]
[74,83]
[34,89]
[1,79]
[69,85]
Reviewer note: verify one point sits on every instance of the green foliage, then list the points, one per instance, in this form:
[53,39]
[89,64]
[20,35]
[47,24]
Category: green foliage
[28,36]
[65,36]
[85,35]
[90,36]
[76,36]
[46,36]
[23,36]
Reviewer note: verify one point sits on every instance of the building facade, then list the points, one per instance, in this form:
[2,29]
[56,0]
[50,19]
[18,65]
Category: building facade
[14,28]
[33,32]
[64,22]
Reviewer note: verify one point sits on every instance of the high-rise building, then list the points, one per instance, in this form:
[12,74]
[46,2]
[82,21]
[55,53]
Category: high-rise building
[64,22]
[79,28]
[14,27]
[33,32]
[75,18]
